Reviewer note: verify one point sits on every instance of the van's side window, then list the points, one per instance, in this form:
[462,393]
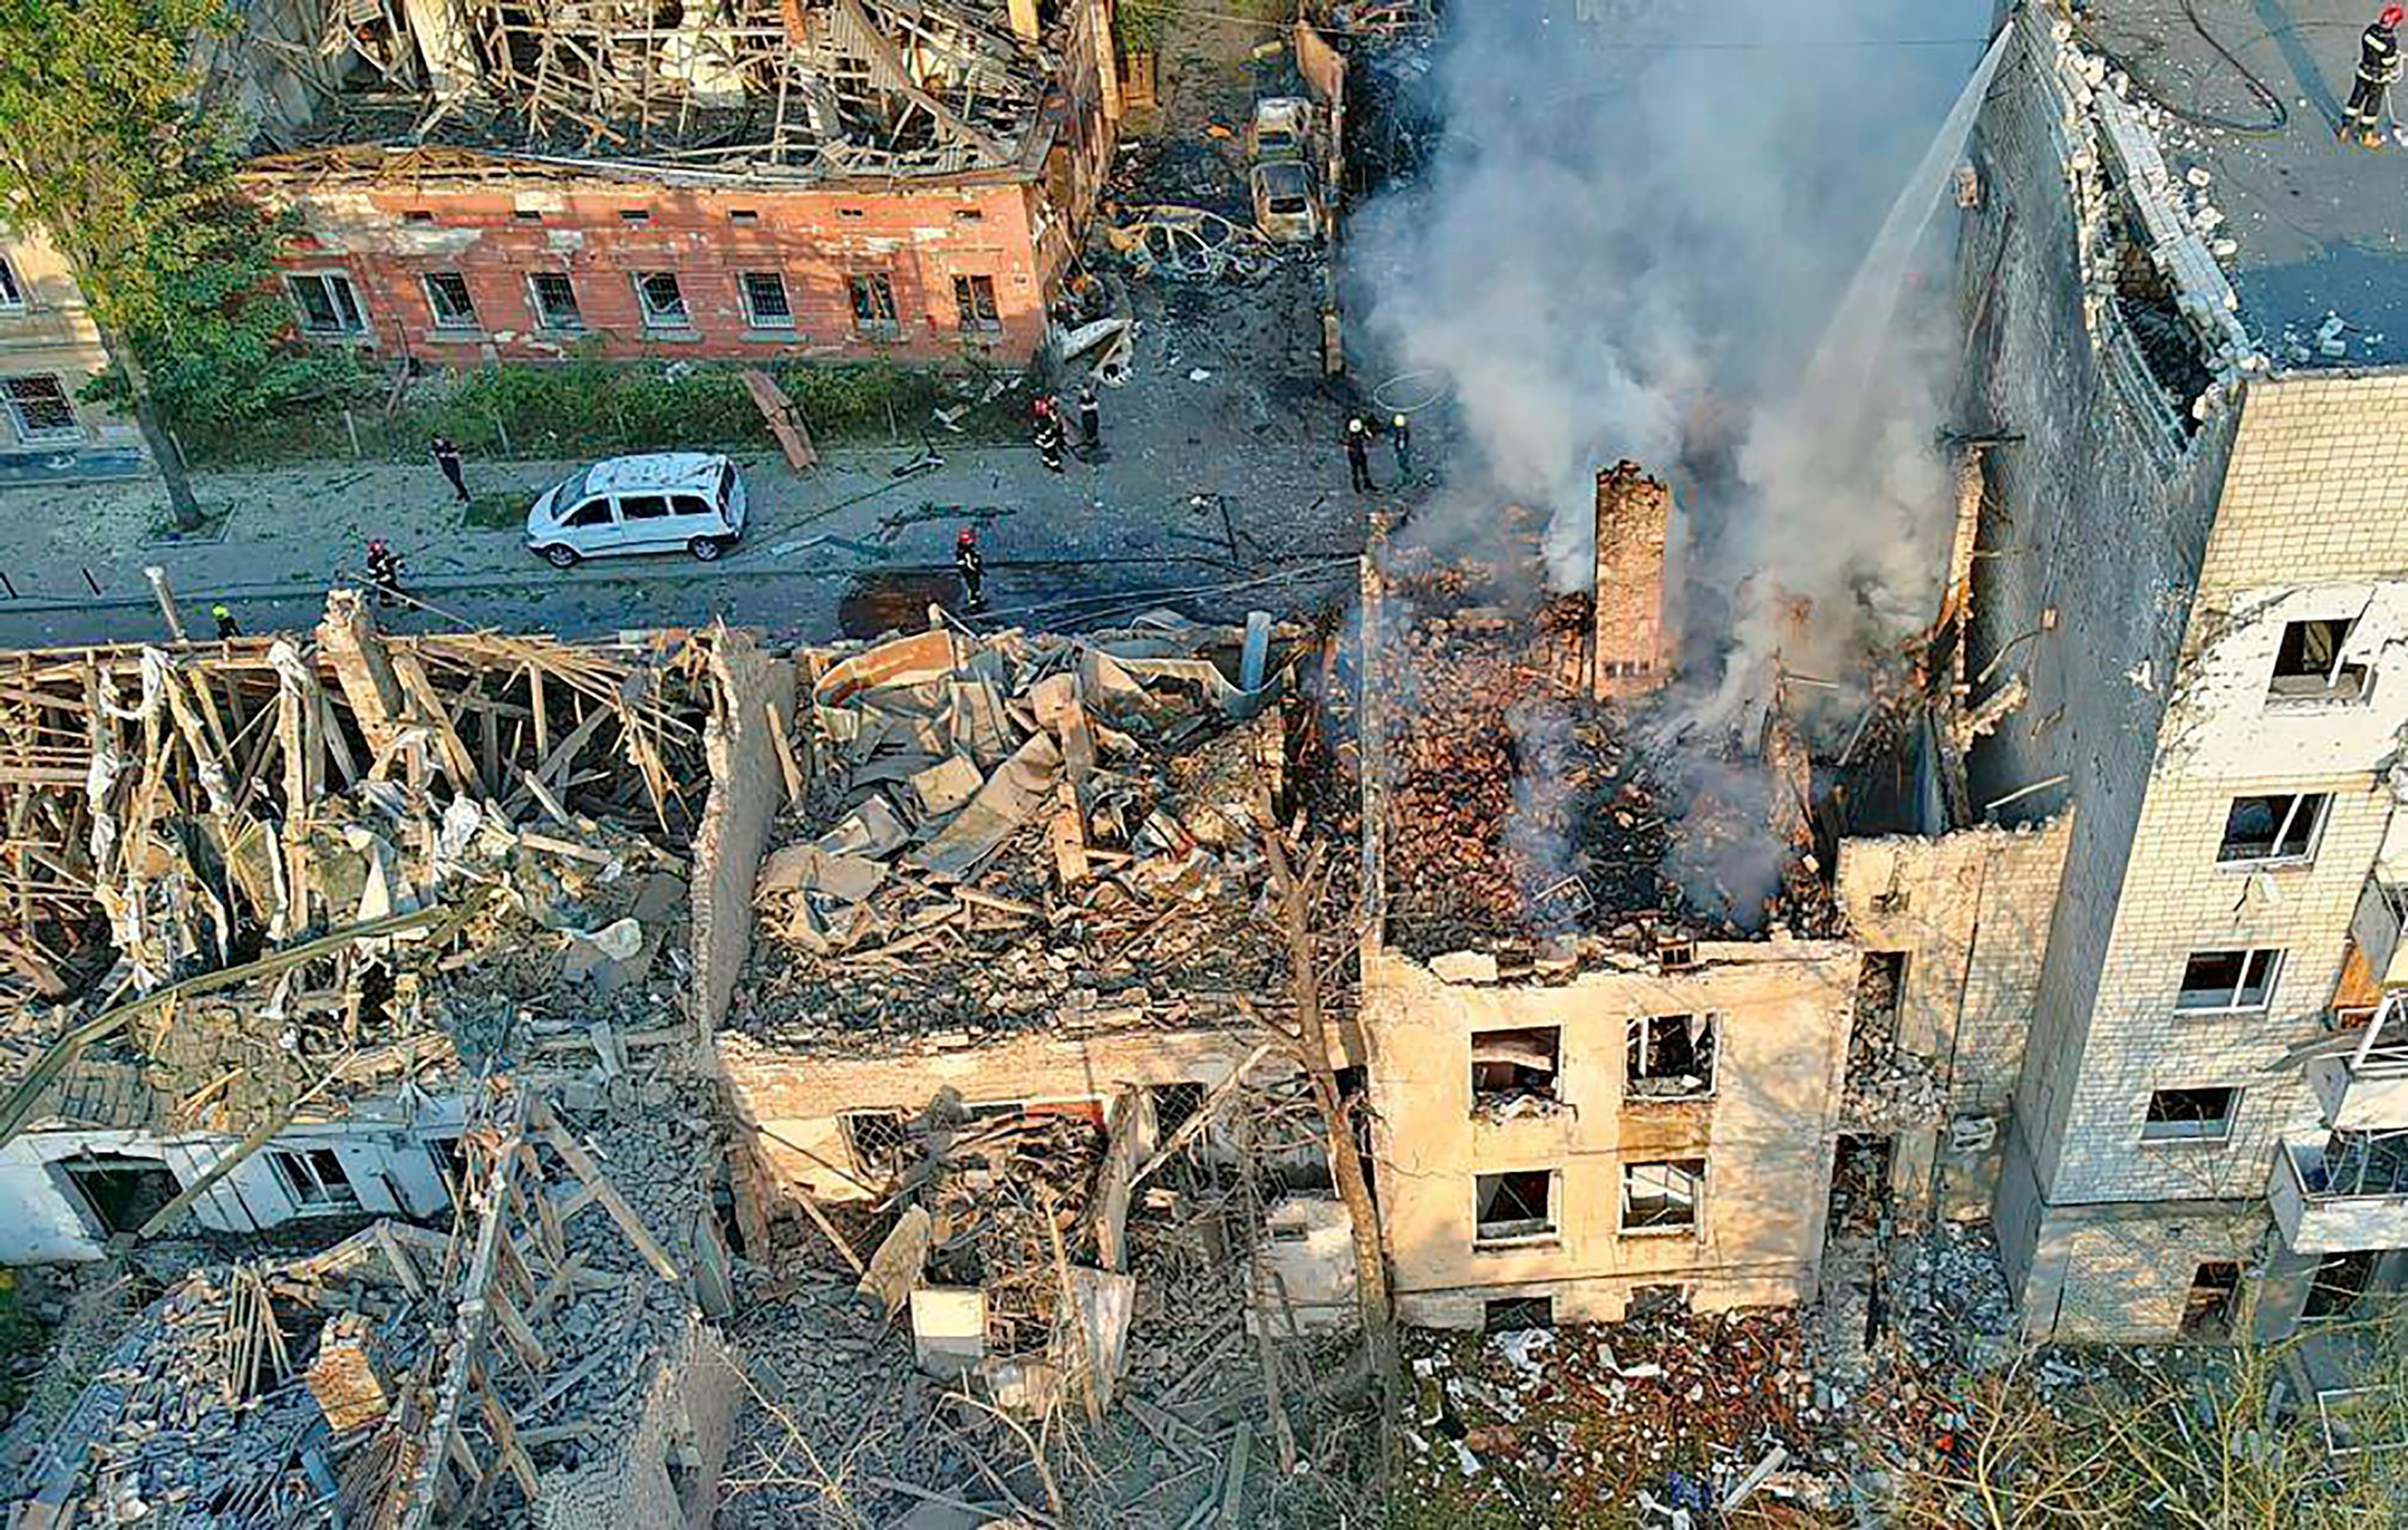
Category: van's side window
[592,513]
[642,507]
[687,504]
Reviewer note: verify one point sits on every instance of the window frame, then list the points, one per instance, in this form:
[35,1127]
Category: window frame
[307,1185]
[12,288]
[2233,1094]
[73,430]
[1636,1034]
[1552,1225]
[753,317]
[1623,1224]
[541,314]
[474,320]
[2287,819]
[683,317]
[359,325]
[1549,1037]
[888,328]
[969,285]
[2275,957]
[2332,693]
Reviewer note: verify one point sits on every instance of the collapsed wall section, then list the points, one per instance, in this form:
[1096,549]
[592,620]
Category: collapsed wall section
[753,693]
[664,1475]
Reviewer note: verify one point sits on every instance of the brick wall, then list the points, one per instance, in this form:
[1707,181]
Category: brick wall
[388,237]
[1634,651]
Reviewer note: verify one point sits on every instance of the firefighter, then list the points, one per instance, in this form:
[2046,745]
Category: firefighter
[384,571]
[447,457]
[1358,455]
[1049,440]
[1400,435]
[973,570]
[1091,417]
[2378,70]
[227,627]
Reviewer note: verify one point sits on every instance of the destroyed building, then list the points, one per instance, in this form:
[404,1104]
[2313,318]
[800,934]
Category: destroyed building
[838,178]
[2190,581]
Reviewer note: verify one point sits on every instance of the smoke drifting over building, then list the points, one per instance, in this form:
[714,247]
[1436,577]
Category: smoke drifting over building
[1632,241]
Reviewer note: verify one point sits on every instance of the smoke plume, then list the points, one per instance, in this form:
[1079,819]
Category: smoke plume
[1634,238]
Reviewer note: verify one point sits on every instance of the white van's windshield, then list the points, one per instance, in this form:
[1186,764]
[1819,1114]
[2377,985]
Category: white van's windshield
[571,490]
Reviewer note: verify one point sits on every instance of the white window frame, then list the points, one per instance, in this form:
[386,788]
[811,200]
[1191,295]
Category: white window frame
[2233,1002]
[72,431]
[301,313]
[296,1171]
[474,321]
[2332,694]
[1555,1217]
[12,291]
[2322,810]
[2169,1133]
[1696,1189]
[681,319]
[753,316]
[542,314]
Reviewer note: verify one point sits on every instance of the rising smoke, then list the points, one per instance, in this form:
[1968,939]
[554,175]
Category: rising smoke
[1621,247]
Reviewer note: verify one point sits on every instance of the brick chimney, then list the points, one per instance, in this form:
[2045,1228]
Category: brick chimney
[1633,653]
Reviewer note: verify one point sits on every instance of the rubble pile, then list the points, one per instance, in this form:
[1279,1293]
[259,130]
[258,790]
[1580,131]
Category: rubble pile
[1886,1087]
[1949,1298]
[1015,831]
[1658,1412]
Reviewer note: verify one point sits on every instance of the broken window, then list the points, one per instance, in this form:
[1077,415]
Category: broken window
[2308,666]
[1519,1203]
[122,1192]
[2215,1290]
[326,303]
[553,297]
[974,306]
[2215,981]
[11,294]
[873,305]
[2272,828]
[1174,1106]
[1662,1197]
[1670,1057]
[314,1178]
[2190,1115]
[875,1138]
[1513,1314]
[765,301]
[1515,1065]
[2340,1281]
[39,405]
[662,302]
[447,294]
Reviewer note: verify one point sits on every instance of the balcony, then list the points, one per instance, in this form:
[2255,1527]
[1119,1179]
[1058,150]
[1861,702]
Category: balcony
[2341,1195]
[2382,912]
[2366,1088]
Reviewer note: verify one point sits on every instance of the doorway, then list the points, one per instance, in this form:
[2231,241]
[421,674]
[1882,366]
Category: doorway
[2215,1293]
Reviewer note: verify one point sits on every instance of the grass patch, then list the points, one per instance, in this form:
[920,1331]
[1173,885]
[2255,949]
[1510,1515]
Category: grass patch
[586,408]
[495,513]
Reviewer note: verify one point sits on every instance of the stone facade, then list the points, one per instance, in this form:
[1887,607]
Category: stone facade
[49,350]
[1634,650]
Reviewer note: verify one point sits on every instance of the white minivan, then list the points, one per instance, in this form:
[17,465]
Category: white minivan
[656,503]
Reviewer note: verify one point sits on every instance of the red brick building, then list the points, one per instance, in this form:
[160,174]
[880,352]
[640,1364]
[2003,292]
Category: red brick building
[459,252]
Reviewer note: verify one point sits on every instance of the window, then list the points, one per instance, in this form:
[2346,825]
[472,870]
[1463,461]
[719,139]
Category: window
[1669,1057]
[2229,979]
[1662,1197]
[2214,1289]
[418,215]
[314,1178]
[40,406]
[1174,1106]
[596,514]
[2308,666]
[742,215]
[527,215]
[1514,1206]
[765,301]
[664,305]
[11,294]
[447,294]
[643,506]
[1507,1065]
[1513,1314]
[969,215]
[635,215]
[122,1192]
[688,504]
[2273,828]
[876,1139]
[850,212]
[974,308]
[873,304]
[2190,1115]
[553,299]
[326,304]
[2340,1281]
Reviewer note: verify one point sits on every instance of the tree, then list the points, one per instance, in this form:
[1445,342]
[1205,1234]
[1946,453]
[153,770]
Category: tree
[104,153]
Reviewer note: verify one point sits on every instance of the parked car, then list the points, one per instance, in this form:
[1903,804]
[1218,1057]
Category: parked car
[656,503]
[1284,208]
[1282,128]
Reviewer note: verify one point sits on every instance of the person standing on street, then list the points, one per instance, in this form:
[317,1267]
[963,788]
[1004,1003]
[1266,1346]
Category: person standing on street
[1049,440]
[2378,70]
[227,627]
[1400,435]
[447,457]
[972,569]
[1091,417]
[384,571]
[1358,455]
